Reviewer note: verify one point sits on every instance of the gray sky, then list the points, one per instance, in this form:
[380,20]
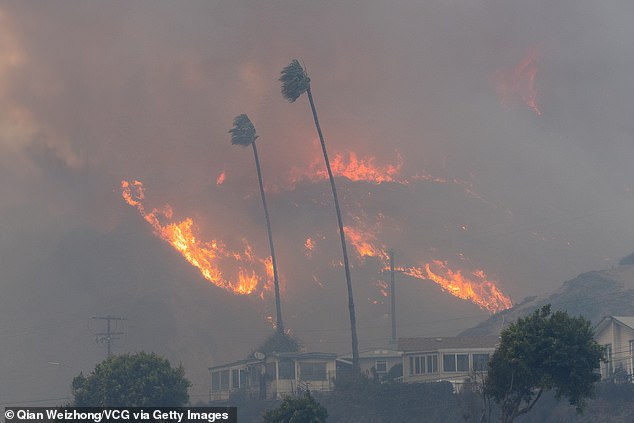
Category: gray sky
[95,92]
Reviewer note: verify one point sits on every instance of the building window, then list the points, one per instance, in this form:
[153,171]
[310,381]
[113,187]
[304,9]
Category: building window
[480,362]
[215,381]
[422,364]
[220,380]
[244,378]
[432,363]
[462,362]
[381,366]
[449,363]
[455,363]
[224,380]
[235,378]
[286,369]
[313,371]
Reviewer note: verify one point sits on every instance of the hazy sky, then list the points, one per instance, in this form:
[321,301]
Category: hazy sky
[512,121]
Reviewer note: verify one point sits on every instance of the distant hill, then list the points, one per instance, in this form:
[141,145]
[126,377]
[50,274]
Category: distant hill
[592,295]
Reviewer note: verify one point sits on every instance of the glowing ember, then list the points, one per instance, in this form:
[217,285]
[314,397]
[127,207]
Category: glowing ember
[350,167]
[309,247]
[206,256]
[221,178]
[520,83]
[475,288]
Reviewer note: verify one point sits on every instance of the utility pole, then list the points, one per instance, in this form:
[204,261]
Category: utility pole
[393,295]
[108,336]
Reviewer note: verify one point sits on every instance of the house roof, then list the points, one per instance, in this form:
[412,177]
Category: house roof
[305,355]
[624,320]
[289,355]
[373,353]
[244,362]
[447,342]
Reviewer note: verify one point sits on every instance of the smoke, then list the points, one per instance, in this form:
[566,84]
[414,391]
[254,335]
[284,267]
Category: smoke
[93,93]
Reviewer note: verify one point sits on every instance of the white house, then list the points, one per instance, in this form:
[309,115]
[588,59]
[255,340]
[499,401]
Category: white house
[374,362]
[274,375]
[616,334]
[445,358]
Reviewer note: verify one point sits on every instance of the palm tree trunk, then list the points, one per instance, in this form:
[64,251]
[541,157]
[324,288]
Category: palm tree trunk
[356,369]
[279,325]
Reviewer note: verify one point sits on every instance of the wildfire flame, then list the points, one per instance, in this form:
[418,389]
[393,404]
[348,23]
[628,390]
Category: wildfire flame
[475,288]
[309,247]
[221,178]
[351,167]
[520,83]
[205,256]
[365,243]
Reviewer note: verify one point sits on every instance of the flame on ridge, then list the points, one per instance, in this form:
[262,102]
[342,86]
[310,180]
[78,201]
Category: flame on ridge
[205,256]
[351,167]
[475,287]
[364,242]
[519,84]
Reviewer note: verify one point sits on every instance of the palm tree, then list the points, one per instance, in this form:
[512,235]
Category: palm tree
[295,82]
[243,133]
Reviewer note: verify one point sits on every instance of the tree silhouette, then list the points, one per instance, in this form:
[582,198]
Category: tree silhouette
[295,82]
[540,352]
[243,133]
[132,380]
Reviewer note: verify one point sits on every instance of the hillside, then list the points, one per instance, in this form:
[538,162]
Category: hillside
[592,295]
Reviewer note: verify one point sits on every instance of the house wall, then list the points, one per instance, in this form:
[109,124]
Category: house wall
[410,373]
[368,363]
[249,384]
[618,337]
[281,387]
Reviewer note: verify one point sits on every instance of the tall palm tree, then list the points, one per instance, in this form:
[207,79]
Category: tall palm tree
[243,133]
[295,82]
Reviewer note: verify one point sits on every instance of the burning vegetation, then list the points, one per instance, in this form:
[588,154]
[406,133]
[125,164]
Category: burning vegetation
[476,287]
[351,167]
[253,273]
[519,84]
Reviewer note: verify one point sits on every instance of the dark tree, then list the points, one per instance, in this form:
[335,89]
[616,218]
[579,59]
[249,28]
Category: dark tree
[243,133]
[132,380]
[295,82]
[543,351]
[297,410]
[279,342]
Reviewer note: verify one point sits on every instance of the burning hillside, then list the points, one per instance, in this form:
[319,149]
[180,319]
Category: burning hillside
[253,273]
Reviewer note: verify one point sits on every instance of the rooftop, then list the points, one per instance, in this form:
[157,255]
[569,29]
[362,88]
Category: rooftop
[447,342]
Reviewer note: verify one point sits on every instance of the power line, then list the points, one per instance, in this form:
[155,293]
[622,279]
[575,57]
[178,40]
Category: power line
[108,336]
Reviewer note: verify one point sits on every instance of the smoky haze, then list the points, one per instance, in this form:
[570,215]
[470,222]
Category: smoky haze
[512,121]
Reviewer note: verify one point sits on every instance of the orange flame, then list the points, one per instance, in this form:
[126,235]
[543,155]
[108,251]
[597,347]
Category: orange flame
[364,243]
[309,247]
[221,178]
[520,83]
[477,288]
[205,256]
[352,168]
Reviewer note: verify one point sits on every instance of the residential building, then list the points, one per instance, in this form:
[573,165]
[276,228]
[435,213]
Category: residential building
[445,358]
[374,362]
[274,376]
[616,334]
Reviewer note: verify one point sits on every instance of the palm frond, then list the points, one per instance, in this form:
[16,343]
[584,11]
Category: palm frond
[243,131]
[295,81]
